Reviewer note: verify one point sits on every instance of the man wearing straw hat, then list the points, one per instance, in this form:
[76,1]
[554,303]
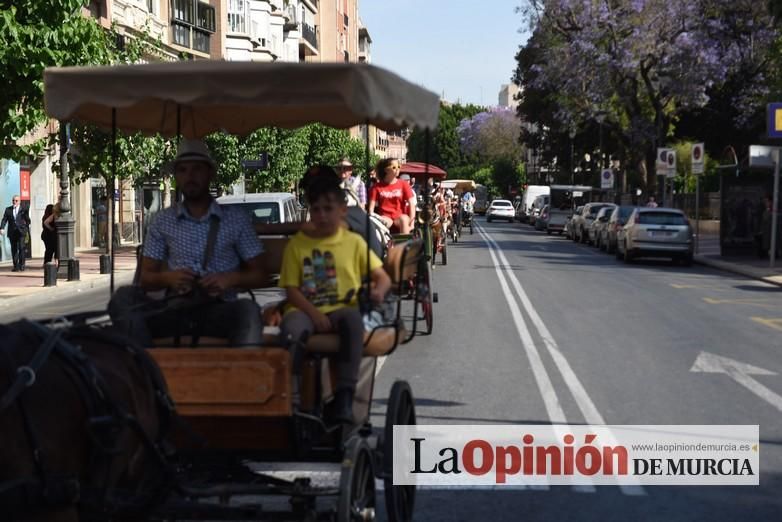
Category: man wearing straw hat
[202,252]
[351,182]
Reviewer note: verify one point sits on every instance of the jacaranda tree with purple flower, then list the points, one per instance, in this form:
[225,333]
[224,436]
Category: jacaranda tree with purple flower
[636,65]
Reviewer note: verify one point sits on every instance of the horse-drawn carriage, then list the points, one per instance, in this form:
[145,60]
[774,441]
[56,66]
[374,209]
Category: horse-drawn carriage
[461,218]
[431,221]
[130,442]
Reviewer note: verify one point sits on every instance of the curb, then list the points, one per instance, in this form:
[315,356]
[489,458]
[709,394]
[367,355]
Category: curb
[732,268]
[64,289]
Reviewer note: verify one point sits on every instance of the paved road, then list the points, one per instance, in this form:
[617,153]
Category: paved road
[534,329]
[622,341]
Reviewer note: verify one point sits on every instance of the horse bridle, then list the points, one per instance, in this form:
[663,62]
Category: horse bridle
[103,413]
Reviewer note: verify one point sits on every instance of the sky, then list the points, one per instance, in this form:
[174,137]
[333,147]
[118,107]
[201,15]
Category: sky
[463,48]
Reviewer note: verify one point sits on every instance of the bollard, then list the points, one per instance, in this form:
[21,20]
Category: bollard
[50,274]
[105,263]
[73,270]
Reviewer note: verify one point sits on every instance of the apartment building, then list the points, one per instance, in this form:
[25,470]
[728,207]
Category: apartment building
[507,95]
[266,31]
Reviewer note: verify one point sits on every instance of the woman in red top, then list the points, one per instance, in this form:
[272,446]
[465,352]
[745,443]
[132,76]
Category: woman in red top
[388,198]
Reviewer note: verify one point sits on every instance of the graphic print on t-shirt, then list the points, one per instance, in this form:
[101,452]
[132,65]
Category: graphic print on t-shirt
[319,278]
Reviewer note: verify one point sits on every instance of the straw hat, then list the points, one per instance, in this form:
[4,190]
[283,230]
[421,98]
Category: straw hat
[193,150]
[344,163]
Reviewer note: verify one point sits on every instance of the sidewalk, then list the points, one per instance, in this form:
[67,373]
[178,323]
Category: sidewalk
[27,286]
[748,266]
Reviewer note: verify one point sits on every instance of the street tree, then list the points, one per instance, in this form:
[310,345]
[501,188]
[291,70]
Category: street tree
[35,35]
[444,148]
[636,65]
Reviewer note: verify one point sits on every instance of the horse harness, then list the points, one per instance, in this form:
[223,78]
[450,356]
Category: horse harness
[106,419]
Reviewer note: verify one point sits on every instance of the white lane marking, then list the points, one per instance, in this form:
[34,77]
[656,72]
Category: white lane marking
[550,400]
[585,404]
[380,362]
[739,372]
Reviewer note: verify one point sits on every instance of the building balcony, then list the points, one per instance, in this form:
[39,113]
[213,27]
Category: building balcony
[312,4]
[309,39]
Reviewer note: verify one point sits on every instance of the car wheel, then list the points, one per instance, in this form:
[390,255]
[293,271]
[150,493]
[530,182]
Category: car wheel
[628,256]
[548,232]
[488,220]
[687,260]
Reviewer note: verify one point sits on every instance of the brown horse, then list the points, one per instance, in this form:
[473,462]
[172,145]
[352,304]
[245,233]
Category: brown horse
[81,413]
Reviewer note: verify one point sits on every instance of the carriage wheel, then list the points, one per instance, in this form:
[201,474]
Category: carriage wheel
[400,411]
[356,483]
[425,296]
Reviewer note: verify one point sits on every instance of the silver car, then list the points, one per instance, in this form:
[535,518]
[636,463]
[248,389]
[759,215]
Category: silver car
[616,221]
[656,232]
[599,223]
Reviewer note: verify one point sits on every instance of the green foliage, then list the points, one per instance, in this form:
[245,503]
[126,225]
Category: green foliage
[506,176]
[36,34]
[445,150]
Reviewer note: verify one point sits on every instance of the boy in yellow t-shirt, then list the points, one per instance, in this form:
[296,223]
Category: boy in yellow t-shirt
[322,270]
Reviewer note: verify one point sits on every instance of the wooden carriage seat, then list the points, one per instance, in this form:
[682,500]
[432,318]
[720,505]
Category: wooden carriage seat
[227,382]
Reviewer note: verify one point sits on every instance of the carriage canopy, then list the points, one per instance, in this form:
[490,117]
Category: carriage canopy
[237,97]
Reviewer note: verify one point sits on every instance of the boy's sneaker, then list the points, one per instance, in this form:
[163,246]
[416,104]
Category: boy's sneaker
[343,406]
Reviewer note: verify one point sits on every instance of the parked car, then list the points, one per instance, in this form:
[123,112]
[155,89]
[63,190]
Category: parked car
[583,220]
[599,223]
[656,232]
[537,206]
[266,208]
[616,221]
[541,223]
[500,209]
[530,194]
[555,221]
[569,223]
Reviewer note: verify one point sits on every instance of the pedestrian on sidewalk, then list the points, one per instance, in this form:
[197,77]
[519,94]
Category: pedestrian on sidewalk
[49,232]
[18,226]
[651,203]
[101,220]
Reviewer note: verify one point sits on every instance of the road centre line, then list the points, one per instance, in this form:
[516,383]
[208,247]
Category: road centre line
[550,400]
[584,402]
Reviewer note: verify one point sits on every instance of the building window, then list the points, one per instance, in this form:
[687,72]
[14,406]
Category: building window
[183,11]
[237,16]
[192,24]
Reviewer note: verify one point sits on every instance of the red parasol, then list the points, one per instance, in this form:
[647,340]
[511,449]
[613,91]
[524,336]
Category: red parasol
[418,170]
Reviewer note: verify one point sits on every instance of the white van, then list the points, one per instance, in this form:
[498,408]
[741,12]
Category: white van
[532,192]
[266,208]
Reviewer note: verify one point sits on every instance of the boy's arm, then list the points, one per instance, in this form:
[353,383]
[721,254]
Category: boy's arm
[381,284]
[297,299]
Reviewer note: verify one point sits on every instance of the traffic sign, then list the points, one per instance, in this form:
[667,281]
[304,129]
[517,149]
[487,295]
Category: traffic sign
[774,120]
[698,158]
[665,165]
[671,163]
[607,179]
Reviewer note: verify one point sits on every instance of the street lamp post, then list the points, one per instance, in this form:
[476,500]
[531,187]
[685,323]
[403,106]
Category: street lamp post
[65,222]
[572,135]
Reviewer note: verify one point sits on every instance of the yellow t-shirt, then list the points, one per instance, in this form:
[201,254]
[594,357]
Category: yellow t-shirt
[326,269]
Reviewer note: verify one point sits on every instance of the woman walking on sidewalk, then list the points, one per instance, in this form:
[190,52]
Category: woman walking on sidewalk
[49,232]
